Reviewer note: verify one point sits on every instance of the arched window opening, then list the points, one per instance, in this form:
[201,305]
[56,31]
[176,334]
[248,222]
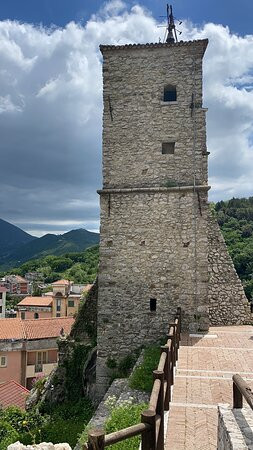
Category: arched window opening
[170,94]
[36,315]
[58,294]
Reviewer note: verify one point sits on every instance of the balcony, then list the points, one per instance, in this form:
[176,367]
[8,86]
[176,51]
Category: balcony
[38,368]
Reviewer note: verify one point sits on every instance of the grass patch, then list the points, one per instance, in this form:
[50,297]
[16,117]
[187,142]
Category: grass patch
[142,377]
[122,417]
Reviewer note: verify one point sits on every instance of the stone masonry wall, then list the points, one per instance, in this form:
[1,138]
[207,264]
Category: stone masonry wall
[153,227]
[228,304]
[235,428]
[155,220]
[147,250]
[136,120]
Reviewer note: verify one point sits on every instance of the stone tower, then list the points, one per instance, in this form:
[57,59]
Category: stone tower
[154,215]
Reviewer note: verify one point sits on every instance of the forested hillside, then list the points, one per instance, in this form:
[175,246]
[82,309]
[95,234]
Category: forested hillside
[78,267]
[235,218]
[50,244]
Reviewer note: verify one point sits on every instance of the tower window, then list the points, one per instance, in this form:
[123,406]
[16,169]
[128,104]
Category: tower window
[168,148]
[152,304]
[170,94]
[36,315]
[3,361]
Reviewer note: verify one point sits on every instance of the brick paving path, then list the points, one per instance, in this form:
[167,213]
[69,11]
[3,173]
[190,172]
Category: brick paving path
[204,379]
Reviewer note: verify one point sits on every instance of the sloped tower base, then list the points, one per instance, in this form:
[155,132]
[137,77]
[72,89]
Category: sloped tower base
[228,304]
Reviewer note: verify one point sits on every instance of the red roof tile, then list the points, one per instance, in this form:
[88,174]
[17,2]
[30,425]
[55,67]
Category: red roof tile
[34,328]
[11,329]
[12,393]
[36,301]
[45,328]
[17,278]
[61,283]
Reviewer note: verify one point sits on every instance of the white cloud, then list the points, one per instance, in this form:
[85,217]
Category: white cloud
[51,107]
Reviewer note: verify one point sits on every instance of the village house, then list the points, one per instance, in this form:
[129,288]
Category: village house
[13,394]
[63,301]
[15,284]
[66,297]
[35,308]
[28,348]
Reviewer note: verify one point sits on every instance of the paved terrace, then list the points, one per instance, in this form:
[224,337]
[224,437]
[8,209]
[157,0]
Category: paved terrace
[203,380]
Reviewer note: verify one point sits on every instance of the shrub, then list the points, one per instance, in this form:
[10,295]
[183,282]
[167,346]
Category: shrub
[67,421]
[8,435]
[142,377]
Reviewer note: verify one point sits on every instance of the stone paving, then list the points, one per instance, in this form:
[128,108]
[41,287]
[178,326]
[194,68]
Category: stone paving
[204,380]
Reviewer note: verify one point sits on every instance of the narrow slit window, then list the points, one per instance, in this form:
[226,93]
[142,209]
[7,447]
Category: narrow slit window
[152,304]
[170,94]
[168,148]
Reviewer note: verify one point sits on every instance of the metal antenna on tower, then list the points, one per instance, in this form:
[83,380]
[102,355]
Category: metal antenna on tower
[171,30]
[172,34]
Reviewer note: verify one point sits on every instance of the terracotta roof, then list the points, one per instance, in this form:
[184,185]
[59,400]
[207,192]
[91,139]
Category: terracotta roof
[12,393]
[11,329]
[202,42]
[34,328]
[36,301]
[45,328]
[61,282]
[16,278]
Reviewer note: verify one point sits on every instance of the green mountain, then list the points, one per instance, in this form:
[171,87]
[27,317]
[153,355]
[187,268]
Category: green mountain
[12,237]
[50,244]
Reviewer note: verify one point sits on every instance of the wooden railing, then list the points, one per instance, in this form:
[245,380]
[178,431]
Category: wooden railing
[241,389]
[151,427]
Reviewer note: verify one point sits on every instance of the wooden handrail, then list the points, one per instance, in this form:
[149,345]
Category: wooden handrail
[126,433]
[154,394]
[241,389]
[152,420]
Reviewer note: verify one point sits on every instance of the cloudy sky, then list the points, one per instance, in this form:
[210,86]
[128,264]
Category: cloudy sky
[51,100]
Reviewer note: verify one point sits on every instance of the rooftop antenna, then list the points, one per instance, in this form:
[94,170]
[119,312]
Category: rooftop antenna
[171,26]
[171,30]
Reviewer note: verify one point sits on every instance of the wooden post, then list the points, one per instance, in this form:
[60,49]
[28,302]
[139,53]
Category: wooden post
[148,439]
[176,330]
[173,343]
[179,312]
[96,440]
[165,349]
[171,370]
[158,374]
[237,397]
